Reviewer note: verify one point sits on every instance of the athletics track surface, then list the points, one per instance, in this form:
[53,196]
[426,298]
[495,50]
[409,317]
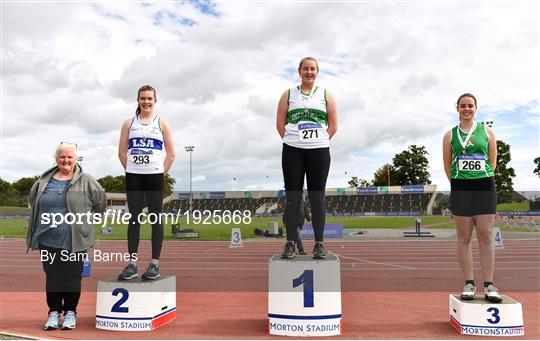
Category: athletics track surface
[390,290]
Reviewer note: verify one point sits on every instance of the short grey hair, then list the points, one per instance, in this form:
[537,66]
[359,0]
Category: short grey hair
[66,145]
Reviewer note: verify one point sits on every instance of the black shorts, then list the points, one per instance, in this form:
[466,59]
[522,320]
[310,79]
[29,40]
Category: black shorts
[473,197]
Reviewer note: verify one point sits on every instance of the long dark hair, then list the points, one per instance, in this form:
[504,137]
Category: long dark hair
[141,89]
[467,95]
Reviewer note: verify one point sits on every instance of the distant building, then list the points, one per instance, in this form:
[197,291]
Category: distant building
[516,197]
[117,201]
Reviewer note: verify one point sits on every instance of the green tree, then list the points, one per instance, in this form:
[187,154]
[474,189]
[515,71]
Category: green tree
[411,166]
[504,173]
[364,183]
[537,169]
[442,201]
[107,182]
[357,182]
[113,184]
[5,186]
[117,184]
[23,185]
[9,196]
[6,191]
[380,178]
[169,185]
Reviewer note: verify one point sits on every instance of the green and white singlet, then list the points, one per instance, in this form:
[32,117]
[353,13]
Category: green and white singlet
[307,120]
[470,153]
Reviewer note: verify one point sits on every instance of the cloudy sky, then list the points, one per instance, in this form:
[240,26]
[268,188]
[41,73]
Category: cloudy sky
[71,70]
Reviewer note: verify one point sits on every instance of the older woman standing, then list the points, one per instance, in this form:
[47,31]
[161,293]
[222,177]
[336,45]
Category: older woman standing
[306,121]
[63,189]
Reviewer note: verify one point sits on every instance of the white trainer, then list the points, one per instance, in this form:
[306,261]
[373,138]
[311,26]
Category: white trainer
[53,321]
[468,292]
[70,320]
[491,293]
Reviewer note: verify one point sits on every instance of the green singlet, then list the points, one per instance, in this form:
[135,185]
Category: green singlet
[471,161]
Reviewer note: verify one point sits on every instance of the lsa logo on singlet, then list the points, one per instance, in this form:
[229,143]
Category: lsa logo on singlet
[143,143]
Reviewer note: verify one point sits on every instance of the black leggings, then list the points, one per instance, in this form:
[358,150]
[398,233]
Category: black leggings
[139,186]
[315,164]
[62,279]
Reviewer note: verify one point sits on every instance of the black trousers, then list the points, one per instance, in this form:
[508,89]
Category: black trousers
[314,164]
[62,279]
[139,187]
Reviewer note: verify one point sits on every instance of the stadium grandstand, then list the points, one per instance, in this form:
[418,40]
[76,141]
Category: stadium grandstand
[382,200]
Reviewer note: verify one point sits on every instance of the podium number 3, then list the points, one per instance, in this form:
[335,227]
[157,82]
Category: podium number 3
[306,278]
[495,314]
[236,238]
[117,307]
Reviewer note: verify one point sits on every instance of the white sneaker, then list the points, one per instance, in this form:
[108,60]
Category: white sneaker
[491,293]
[70,320]
[468,292]
[53,321]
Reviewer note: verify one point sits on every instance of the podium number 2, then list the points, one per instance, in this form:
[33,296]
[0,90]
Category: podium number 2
[306,278]
[117,307]
[495,314]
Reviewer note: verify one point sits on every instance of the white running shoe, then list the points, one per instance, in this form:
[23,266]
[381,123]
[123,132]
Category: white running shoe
[491,293]
[53,321]
[70,320]
[468,292]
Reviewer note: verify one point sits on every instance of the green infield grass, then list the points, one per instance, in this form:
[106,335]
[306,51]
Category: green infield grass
[513,206]
[13,210]
[16,228]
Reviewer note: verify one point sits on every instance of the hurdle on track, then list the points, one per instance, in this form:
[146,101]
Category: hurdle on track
[417,231]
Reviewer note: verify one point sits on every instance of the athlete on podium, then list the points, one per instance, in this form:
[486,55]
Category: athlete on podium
[306,121]
[470,158]
[146,151]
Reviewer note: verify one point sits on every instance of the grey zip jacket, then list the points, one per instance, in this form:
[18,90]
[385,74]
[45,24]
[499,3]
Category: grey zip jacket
[84,195]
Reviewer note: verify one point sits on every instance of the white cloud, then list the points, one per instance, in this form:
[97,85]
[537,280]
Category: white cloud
[71,71]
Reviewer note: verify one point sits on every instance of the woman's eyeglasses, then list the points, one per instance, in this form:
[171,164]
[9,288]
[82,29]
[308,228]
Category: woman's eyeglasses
[69,144]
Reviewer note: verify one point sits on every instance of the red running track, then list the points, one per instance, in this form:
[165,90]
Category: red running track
[390,290]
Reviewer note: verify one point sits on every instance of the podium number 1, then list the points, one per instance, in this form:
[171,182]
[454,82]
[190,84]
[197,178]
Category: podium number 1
[117,307]
[306,278]
[495,314]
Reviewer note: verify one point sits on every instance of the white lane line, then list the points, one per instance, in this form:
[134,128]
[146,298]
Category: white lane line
[219,256]
[254,262]
[348,267]
[396,267]
[380,263]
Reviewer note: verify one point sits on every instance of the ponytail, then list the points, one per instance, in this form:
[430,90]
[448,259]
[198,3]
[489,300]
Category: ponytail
[141,89]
